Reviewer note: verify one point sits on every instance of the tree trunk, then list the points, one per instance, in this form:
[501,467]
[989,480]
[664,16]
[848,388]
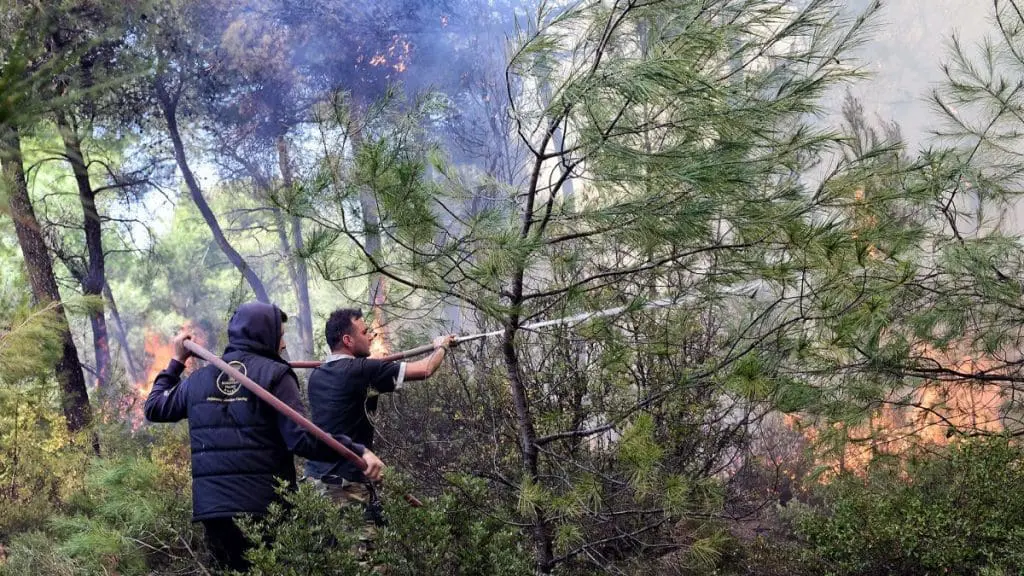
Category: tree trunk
[371,227]
[520,399]
[168,105]
[122,337]
[558,135]
[528,443]
[74,396]
[377,290]
[95,273]
[300,279]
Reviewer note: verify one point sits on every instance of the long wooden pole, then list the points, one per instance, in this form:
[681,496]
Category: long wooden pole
[389,358]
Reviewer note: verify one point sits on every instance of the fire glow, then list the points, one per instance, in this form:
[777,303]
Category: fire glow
[379,346]
[937,413]
[159,351]
[397,56]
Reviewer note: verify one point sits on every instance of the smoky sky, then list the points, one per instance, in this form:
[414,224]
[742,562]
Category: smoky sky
[293,51]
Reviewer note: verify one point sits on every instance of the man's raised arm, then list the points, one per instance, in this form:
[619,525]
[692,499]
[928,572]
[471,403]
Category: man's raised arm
[425,368]
[168,399]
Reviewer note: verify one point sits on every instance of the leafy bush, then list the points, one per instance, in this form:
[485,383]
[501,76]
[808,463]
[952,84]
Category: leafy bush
[451,535]
[766,556]
[308,536]
[445,537]
[130,515]
[959,512]
[34,553]
[39,462]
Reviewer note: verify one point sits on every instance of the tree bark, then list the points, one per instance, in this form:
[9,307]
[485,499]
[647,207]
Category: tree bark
[543,541]
[74,396]
[528,443]
[95,274]
[168,105]
[371,228]
[300,279]
[377,290]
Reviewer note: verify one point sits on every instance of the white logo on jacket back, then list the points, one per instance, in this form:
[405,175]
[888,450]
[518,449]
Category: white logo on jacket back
[227,385]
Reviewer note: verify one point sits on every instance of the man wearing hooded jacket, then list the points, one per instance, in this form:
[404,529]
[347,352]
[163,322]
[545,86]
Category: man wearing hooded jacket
[240,445]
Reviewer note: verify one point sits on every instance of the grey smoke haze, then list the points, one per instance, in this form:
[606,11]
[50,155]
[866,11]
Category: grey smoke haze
[905,55]
[447,39]
[458,46]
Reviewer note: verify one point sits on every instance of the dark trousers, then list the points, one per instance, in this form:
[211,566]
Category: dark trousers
[227,544]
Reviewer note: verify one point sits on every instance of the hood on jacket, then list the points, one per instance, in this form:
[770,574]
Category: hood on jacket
[256,327]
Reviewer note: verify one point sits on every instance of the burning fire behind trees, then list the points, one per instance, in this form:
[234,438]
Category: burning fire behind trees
[380,346]
[935,413]
[158,353]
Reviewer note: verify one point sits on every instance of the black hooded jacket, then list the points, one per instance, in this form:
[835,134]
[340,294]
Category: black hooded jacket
[240,445]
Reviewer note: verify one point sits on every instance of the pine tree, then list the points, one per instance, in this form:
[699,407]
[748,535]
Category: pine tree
[687,130]
[25,73]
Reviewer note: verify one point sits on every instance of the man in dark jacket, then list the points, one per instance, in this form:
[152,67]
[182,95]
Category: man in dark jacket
[343,395]
[240,445]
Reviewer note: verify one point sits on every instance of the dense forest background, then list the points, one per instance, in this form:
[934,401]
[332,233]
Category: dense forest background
[788,233]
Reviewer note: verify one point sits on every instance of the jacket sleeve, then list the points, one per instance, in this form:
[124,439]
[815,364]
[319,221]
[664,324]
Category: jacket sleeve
[168,399]
[300,441]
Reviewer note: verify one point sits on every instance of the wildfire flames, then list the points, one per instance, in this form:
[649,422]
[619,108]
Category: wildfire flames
[379,346]
[935,414]
[396,56]
[159,351]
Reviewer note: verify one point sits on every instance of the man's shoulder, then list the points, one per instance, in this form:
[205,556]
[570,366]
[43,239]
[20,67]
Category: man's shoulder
[256,365]
[347,372]
[347,365]
[334,372]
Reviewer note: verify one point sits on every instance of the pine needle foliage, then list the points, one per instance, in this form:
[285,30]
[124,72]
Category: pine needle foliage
[670,151]
[446,536]
[923,305]
[945,512]
[130,515]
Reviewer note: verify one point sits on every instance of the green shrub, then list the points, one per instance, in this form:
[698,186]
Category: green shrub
[445,537]
[450,536]
[129,516]
[308,536]
[34,553]
[958,512]
[766,556]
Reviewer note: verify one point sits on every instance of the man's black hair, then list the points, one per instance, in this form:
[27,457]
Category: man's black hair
[339,324]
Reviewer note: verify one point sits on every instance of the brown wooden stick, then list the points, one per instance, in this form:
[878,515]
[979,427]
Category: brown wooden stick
[389,358]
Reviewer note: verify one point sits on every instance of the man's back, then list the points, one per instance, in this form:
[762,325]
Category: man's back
[343,398]
[238,453]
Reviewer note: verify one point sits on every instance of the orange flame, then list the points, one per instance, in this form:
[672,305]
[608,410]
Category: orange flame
[935,414]
[379,346]
[159,351]
[397,55]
